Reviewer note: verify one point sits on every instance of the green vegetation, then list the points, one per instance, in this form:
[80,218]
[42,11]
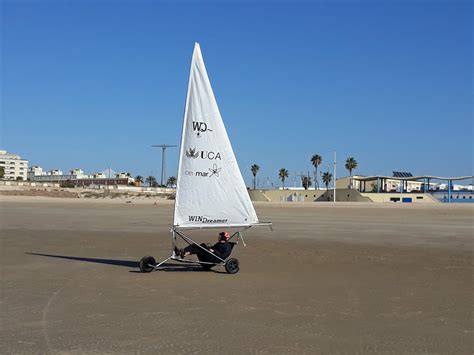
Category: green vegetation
[151,181]
[351,164]
[306,181]
[316,160]
[283,174]
[254,169]
[171,181]
[67,184]
[327,178]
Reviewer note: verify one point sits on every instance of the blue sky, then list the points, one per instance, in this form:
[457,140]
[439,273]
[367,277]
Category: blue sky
[94,84]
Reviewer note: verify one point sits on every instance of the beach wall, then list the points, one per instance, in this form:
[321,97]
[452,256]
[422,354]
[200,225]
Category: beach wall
[258,195]
[285,195]
[25,188]
[343,195]
[400,198]
[26,184]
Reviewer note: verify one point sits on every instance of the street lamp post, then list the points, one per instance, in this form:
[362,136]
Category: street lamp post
[163,159]
[334,176]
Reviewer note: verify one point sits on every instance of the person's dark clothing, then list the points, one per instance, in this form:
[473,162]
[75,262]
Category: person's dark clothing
[222,250]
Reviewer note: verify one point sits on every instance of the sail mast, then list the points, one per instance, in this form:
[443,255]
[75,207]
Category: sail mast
[183,132]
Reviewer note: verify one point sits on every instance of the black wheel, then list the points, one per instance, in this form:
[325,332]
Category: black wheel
[147,264]
[232,266]
[207,267]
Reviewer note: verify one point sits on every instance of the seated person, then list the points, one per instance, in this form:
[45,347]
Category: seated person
[222,249]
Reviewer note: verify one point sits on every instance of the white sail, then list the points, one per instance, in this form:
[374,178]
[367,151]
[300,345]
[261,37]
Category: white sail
[210,189]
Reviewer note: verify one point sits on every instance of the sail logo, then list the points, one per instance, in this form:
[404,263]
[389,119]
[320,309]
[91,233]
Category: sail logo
[196,173]
[202,219]
[200,127]
[191,153]
[215,170]
[203,154]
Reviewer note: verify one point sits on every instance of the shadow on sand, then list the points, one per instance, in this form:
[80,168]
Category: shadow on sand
[125,263]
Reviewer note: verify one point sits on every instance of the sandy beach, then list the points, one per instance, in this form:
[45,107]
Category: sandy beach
[345,278]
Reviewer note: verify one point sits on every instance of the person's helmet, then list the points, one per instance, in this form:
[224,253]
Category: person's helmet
[224,236]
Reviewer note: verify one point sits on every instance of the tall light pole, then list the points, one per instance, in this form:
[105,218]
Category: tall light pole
[334,176]
[163,159]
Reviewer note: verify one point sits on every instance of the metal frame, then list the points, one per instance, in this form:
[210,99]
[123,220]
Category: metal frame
[175,232]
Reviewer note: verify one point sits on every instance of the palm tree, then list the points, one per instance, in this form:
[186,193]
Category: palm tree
[316,160]
[139,180]
[351,164]
[327,178]
[283,174]
[254,169]
[151,181]
[171,181]
[306,182]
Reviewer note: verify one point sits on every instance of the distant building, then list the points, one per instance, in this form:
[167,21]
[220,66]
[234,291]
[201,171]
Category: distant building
[35,171]
[363,184]
[79,173]
[122,175]
[76,177]
[55,172]
[14,167]
[410,183]
[99,176]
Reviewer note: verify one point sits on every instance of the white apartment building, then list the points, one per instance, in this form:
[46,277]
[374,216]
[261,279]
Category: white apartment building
[35,170]
[79,173]
[14,167]
[122,175]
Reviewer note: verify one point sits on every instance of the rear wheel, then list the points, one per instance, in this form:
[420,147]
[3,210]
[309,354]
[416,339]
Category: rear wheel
[232,266]
[147,264]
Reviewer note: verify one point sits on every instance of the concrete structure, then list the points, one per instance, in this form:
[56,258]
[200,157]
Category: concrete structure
[35,171]
[285,195]
[10,184]
[102,181]
[99,176]
[122,175]
[406,184]
[360,183]
[79,173]
[342,195]
[14,167]
[400,198]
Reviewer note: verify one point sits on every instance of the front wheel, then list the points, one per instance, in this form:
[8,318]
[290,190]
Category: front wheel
[147,264]
[232,266]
